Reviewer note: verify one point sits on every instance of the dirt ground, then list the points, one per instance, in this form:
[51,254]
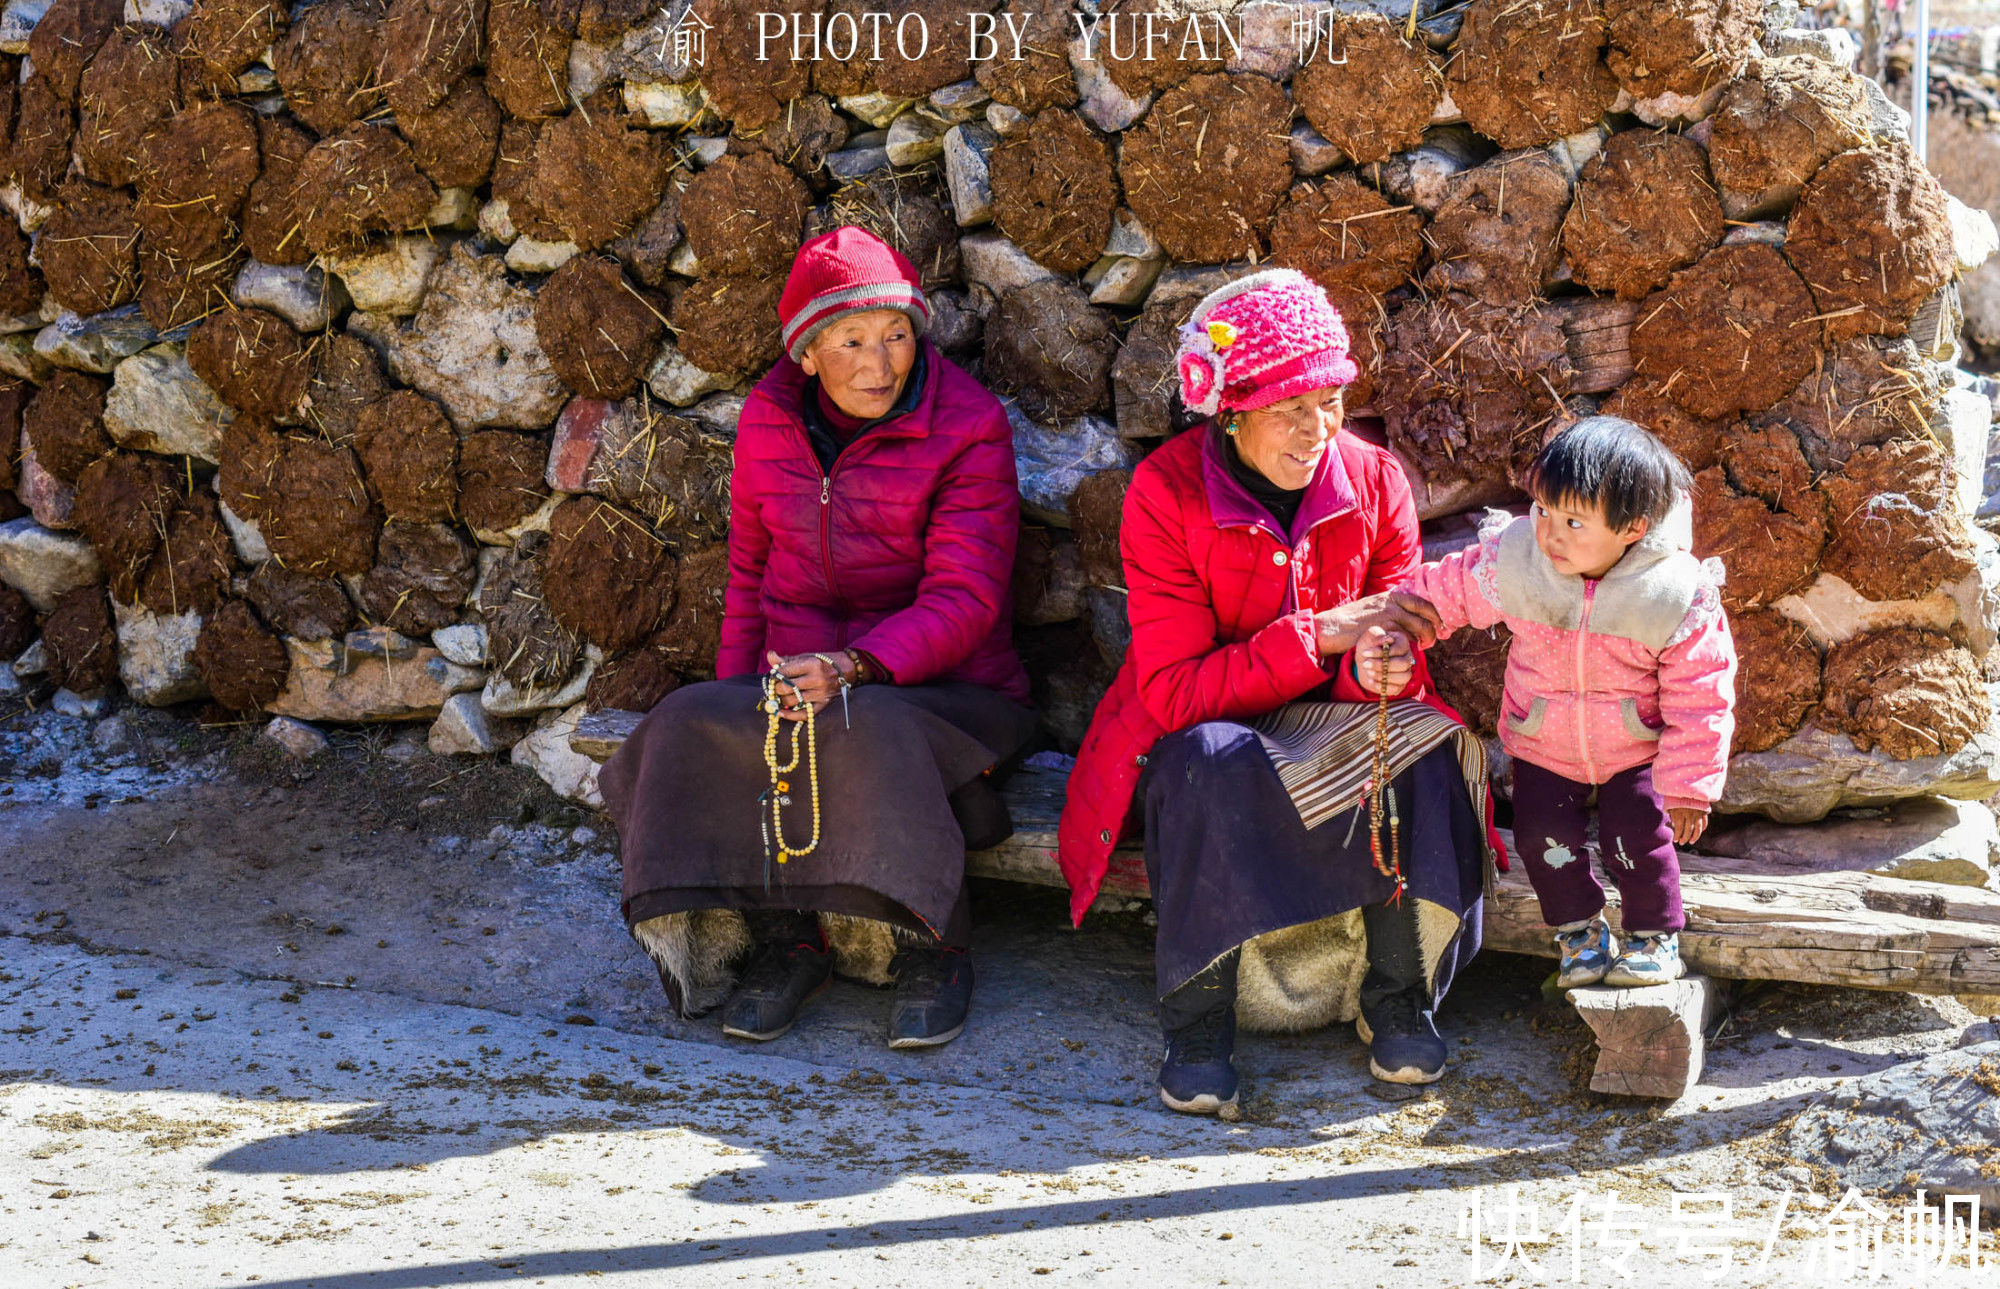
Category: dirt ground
[373,1019]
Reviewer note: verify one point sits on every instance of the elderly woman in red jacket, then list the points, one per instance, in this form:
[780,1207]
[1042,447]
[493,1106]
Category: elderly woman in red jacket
[873,517]
[1260,549]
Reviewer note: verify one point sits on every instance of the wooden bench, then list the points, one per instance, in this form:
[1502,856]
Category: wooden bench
[1745,921]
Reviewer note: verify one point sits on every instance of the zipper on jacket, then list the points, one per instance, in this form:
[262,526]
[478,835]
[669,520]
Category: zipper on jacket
[826,546]
[1582,714]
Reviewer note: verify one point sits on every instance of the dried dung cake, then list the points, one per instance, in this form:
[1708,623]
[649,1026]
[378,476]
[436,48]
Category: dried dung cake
[347,377]
[600,334]
[44,128]
[89,248]
[513,173]
[1140,67]
[123,503]
[185,274]
[194,562]
[1467,390]
[907,210]
[599,22]
[1644,207]
[362,180]
[1365,317]
[1767,553]
[1735,332]
[743,215]
[729,324]
[948,57]
[648,250]
[128,89]
[843,67]
[425,46]
[1696,440]
[1777,679]
[1898,533]
[17,622]
[527,60]
[1050,348]
[64,419]
[1041,78]
[243,664]
[21,286]
[327,63]
[1469,671]
[800,138]
[693,634]
[606,576]
[14,395]
[666,469]
[1145,384]
[306,495]
[299,604]
[1096,511]
[271,230]
[409,455]
[422,576]
[455,142]
[745,91]
[67,36]
[500,479]
[632,683]
[1779,123]
[196,167]
[82,642]
[226,36]
[596,175]
[1684,47]
[1528,72]
[1765,461]
[1872,238]
[1055,190]
[252,359]
[1347,237]
[1497,235]
[524,642]
[1224,137]
[1869,389]
[1366,89]
[1909,692]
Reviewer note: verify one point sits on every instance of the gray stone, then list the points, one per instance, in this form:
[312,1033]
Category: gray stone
[960,101]
[1669,109]
[157,404]
[678,381]
[1110,623]
[955,327]
[1575,151]
[968,150]
[495,223]
[647,53]
[389,275]
[48,311]
[665,106]
[1312,155]
[299,740]
[1190,283]
[997,266]
[43,565]
[852,163]
[96,343]
[1974,239]
[683,261]
[51,501]
[719,414]
[472,346]
[19,359]
[1963,425]
[704,149]
[1422,176]
[1129,237]
[370,675]
[877,109]
[1833,45]
[464,643]
[28,212]
[1766,232]
[455,208]
[1890,120]
[74,704]
[915,137]
[256,79]
[1004,119]
[502,697]
[158,13]
[1054,460]
[301,294]
[156,655]
[244,534]
[10,684]
[1925,1124]
[547,752]
[1935,329]
[1125,282]
[1924,839]
[1979,296]
[1102,103]
[533,255]
[463,727]
[589,68]
[1268,32]
[114,735]
[34,661]
[17,23]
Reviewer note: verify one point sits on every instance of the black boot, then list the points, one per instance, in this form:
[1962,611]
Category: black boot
[790,964]
[1397,1021]
[933,996]
[1197,1075]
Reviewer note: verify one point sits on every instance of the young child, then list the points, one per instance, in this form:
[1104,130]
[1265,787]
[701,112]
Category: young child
[1620,683]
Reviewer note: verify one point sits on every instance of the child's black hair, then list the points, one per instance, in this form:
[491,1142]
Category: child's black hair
[1612,463]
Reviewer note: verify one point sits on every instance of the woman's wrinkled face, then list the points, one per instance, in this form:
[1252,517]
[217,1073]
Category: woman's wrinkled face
[863,360]
[1577,540]
[1285,441]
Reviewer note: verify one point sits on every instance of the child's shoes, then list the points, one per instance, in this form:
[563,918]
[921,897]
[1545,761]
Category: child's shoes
[1648,960]
[1587,952]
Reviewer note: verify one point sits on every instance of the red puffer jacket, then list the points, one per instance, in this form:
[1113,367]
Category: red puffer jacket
[905,551]
[1222,608]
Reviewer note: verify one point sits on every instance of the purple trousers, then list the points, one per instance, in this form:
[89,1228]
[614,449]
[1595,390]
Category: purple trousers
[1635,839]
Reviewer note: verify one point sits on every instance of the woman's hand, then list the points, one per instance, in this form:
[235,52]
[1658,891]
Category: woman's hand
[1384,661]
[810,680]
[1340,629]
[1689,825]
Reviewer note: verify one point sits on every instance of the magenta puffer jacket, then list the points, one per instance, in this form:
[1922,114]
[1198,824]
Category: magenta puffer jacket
[905,551]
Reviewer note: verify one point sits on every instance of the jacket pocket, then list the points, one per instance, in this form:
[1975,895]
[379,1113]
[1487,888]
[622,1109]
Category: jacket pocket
[1531,724]
[1637,728]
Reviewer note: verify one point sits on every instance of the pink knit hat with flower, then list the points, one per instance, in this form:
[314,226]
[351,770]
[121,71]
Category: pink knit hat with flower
[840,272]
[1262,338]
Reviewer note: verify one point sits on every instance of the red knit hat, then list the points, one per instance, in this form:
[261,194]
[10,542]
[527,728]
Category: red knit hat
[1261,338]
[848,268]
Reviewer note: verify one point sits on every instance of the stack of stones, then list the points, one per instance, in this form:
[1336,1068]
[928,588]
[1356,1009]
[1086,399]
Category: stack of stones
[381,361]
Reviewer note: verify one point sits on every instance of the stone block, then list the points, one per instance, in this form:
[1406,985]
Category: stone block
[1650,1040]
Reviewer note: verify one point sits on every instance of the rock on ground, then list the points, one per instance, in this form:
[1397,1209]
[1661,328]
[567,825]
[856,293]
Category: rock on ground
[156,655]
[296,737]
[1928,839]
[45,565]
[1930,1123]
[156,403]
[370,675]
[546,751]
[464,727]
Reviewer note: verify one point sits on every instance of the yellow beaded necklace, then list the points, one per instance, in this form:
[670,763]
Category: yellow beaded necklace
[779,793]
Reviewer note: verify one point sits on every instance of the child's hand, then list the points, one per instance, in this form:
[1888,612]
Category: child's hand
[1383,661]
[1689,825]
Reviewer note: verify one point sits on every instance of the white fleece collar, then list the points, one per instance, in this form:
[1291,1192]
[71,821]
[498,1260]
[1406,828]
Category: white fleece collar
[1645,597]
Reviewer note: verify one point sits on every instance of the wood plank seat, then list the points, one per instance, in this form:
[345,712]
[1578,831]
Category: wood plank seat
[1848,928]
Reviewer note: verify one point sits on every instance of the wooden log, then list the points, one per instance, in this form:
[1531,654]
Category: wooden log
[1650,1041]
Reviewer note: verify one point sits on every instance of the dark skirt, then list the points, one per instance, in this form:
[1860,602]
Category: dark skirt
[903,794]
[1230,860]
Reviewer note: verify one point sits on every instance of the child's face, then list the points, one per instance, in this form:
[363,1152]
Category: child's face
[1577,540]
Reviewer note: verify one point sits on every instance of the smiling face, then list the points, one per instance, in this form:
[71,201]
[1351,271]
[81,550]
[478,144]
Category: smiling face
[1285,441]
[863,360]
[1577,540]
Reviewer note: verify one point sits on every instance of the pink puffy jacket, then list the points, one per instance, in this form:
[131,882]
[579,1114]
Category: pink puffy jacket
[906,551]
[1603,675]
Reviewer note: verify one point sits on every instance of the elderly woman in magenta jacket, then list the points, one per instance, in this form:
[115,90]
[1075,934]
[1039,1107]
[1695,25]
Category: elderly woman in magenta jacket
[873,519]
[1260,549]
